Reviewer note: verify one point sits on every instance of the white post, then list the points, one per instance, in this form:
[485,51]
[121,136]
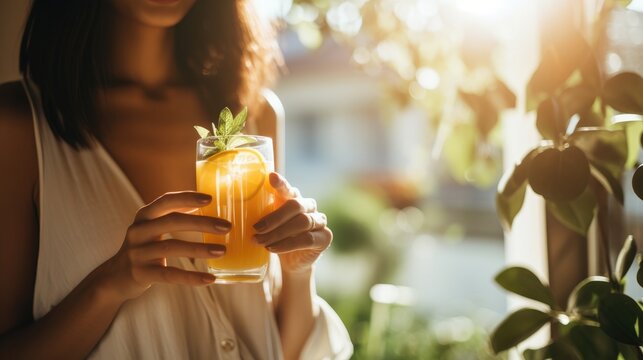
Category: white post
[526,242]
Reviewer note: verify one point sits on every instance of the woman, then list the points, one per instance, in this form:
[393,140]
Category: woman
[98,141]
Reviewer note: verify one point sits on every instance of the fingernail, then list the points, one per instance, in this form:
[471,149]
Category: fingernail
[260,226]
[204,198]
[223,226]
[207,278]
[256,239]
[275,179]
[216,250]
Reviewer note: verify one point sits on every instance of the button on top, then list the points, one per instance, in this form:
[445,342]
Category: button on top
[227,345]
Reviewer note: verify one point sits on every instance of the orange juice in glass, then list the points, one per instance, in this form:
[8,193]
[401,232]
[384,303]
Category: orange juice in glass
[237,180]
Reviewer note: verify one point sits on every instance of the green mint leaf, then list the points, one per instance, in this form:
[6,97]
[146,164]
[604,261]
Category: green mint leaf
[239,121]
[209,153]
[240,140]
[228,125]
[220,145]
[203,132]
[225,121]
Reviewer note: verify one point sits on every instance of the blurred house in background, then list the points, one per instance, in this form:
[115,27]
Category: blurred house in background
[338,136]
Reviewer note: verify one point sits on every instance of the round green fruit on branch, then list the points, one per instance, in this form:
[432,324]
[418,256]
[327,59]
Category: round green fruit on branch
[559,175]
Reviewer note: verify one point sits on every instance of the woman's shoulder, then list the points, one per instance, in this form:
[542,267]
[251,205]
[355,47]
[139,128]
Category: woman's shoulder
[17,145]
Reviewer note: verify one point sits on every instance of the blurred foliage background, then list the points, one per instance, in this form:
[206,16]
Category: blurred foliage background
[395,123]
[392,125]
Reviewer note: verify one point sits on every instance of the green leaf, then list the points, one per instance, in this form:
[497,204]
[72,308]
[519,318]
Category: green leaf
[508,206]
[590,72]
[637,182]
[577,99]
[633,127]
[588,292]
[634,134]
[592,343]
[501,96]
[639,274]
[590,118]
[220,145]
[210,152]
[577,214]
[239,122]
[628,352]
[624,92]
[203,132]
[608,181]
[228,125]
[511,191]
[517,327]
[225,121]
[625,257]
[619,316]
[561,55]
[486,114]
[555,350]
[240,140]
[521,281]
[549,119]
[559,175]
[607,148]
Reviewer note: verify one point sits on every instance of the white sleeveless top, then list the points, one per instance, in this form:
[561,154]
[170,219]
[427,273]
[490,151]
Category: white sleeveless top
[86,204]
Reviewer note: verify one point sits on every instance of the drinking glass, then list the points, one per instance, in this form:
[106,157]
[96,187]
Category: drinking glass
[237,180]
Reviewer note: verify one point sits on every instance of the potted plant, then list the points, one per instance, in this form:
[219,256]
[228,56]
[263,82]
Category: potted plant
[580,159]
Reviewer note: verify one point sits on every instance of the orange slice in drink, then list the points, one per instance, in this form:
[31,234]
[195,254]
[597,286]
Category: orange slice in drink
[238,173]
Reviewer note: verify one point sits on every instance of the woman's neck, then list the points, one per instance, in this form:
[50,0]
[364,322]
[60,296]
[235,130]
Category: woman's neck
[141,55]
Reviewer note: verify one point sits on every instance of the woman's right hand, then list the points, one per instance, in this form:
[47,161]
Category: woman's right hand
[142,259]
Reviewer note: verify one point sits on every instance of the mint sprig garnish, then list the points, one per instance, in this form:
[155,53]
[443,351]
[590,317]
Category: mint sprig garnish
[228,132]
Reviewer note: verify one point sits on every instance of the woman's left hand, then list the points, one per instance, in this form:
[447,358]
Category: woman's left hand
[296,230]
